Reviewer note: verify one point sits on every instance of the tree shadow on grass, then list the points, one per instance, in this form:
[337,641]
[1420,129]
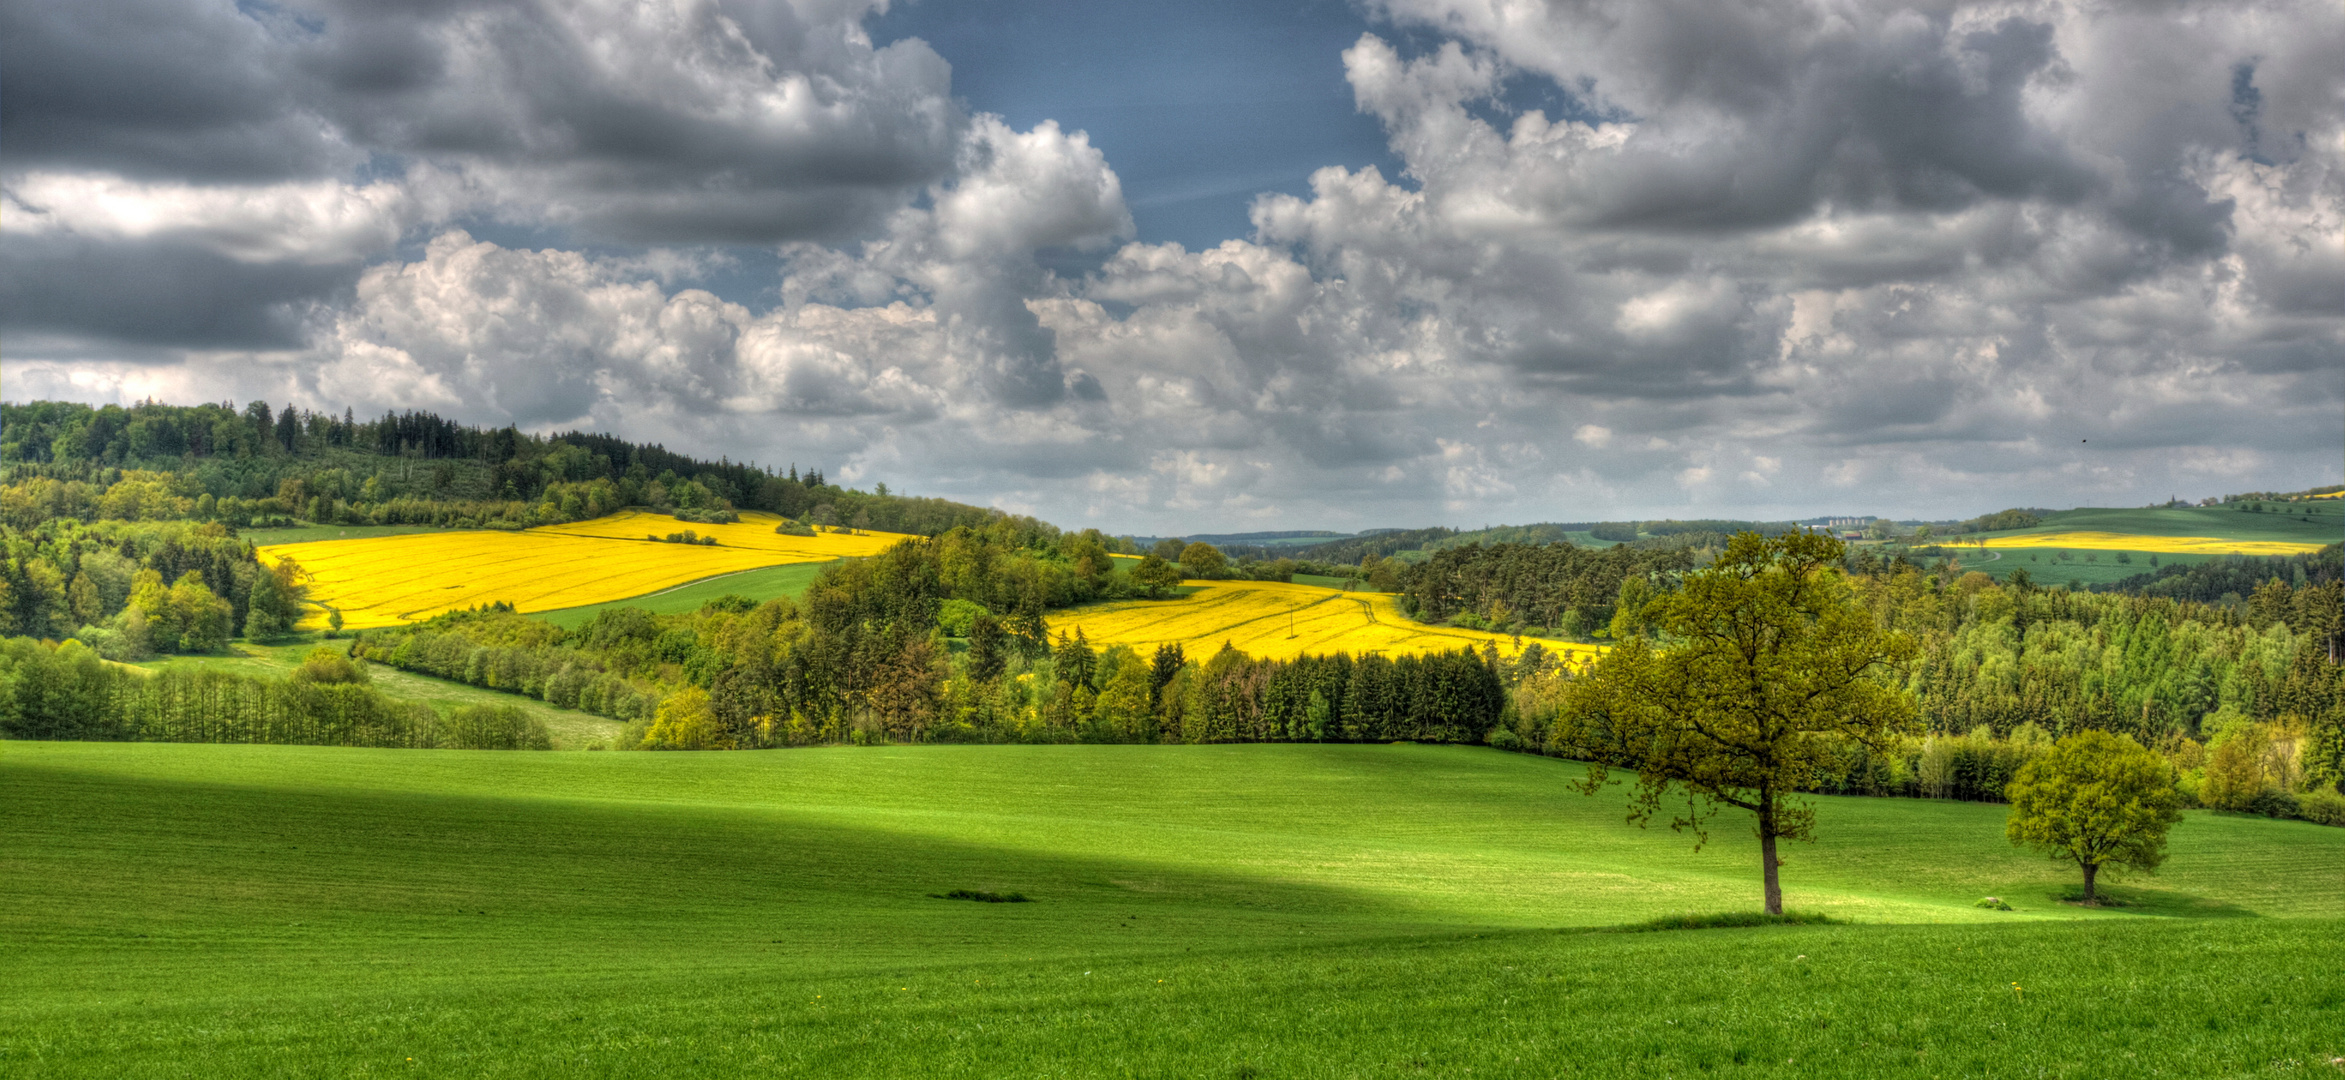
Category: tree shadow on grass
[2140,900]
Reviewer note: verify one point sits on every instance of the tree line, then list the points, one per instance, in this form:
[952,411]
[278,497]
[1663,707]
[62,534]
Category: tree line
[66,691]
[2245,701]
[134,589]
[259,466]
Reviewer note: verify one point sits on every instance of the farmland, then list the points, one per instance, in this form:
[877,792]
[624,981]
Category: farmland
[2158,545]
[2103,546]
[1277,620]
[379,582]
[790,580]
[1261,911]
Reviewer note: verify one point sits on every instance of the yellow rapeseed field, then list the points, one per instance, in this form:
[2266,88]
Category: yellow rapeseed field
[755,531]
[391,580]
[1277,620]
[2178,545]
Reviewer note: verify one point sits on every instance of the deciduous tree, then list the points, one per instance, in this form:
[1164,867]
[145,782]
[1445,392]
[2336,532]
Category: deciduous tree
[1202,560]
[1765,668]
[2096,799]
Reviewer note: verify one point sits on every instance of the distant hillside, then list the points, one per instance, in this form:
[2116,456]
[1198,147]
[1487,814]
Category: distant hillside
[260,466]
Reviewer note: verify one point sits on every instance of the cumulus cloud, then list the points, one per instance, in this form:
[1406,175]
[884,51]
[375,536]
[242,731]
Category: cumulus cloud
[301,140]
[1792,257]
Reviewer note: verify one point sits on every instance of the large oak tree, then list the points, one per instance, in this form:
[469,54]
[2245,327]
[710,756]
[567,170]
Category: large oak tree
[1763,667]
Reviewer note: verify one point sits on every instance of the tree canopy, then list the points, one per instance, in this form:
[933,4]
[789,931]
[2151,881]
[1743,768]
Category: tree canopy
[2097,799]
[1764,667]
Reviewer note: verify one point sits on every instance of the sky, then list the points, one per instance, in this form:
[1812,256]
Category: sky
[1229,264]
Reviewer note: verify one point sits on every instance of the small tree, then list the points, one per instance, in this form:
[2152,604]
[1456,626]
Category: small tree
[2095,799]
[1202,560]
[1766,670]
[1156,576]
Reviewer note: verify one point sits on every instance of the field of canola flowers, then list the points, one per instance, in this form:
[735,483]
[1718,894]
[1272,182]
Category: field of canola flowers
[389,581]
[1277,620]
[2175,545]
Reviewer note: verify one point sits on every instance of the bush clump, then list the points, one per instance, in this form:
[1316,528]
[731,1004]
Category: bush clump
[2322,806]
[494,727]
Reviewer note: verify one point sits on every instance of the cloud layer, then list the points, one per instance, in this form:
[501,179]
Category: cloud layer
[1799,258]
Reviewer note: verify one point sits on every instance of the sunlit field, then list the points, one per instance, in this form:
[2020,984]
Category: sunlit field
[1216,911]
[1278,620]
[387,581]
[2162,545]
[754,532]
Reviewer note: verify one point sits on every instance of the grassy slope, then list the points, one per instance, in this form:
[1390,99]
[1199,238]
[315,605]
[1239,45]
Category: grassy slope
[1203,911]
[571,729]
[2326,527]
[764,584]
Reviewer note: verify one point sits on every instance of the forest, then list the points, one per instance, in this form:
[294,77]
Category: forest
[258,466]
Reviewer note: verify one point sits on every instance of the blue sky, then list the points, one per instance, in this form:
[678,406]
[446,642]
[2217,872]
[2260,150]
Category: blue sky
[1199,105]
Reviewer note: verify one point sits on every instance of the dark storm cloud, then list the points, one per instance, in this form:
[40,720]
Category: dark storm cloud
[157,88]
[162,293]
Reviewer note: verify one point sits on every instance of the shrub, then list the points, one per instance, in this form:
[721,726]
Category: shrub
[494,727]
[2273,803]
[2323,805]
[956,616]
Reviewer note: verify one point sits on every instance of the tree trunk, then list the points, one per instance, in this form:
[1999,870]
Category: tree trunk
[2089,870]
[1767,852]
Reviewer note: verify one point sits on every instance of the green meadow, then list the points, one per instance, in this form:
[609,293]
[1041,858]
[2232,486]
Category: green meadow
[790,580]
[1216,911]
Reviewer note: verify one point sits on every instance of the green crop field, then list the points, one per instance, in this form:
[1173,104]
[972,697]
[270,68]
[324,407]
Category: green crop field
[1227,911]
[2046,568]
[765,584]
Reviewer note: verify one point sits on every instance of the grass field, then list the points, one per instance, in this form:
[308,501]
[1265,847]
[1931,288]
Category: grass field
[765,584]
[571,729]
[401,579]
[1248,911]
[1276,619]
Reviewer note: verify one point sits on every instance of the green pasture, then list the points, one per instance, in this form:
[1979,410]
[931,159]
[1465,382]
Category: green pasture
[2045,568]
[1218,911]
[571,729]
[762,584]
[2311,522]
